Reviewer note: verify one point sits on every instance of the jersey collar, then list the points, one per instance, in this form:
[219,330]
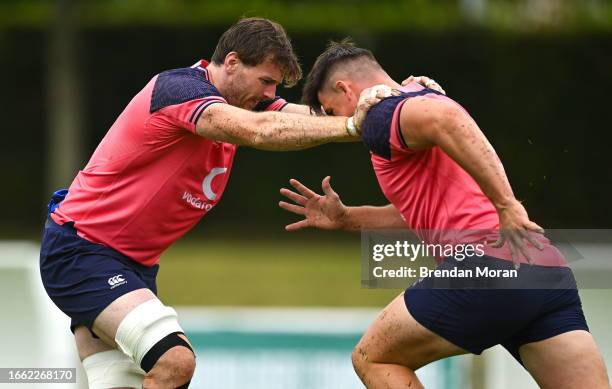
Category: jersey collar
[202,65]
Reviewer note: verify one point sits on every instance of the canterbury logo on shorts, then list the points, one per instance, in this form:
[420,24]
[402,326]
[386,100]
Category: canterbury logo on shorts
[116,281]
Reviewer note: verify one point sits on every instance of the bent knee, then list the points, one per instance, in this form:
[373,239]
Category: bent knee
[185,361]
[151,335]
[178,363]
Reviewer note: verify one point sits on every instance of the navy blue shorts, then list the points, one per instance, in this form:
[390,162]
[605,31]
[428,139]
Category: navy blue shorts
[82,278]
[483,314]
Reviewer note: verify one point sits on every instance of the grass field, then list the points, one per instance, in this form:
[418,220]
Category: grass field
[266,273]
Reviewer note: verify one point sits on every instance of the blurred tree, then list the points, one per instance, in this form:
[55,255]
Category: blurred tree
[65,124]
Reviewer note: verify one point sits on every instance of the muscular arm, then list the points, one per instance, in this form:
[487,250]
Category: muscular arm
[427,122]
[430,122]
[273,131]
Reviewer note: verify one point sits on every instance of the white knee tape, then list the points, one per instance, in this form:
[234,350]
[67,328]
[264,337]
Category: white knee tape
[112,369]
[144,326]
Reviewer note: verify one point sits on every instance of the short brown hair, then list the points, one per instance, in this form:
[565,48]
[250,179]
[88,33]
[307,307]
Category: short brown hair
[335,54]
[255,40]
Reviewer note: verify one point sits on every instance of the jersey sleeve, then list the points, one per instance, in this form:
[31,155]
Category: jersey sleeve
[382,132]
[396,137]
[275,104]
[182,95]
[380,128]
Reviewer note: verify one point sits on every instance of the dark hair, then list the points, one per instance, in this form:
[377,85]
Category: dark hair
[334,54]
[256,39]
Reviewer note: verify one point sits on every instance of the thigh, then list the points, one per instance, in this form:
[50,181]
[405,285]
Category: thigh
[106,323]
[566,361]
[396,337]
[87,345]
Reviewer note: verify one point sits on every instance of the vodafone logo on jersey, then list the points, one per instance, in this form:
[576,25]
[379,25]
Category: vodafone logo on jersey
[210,195]
[206,188]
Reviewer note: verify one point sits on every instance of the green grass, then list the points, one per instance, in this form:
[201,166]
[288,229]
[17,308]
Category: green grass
[266,273]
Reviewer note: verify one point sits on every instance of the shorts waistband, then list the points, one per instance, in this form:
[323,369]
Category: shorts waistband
[50,223]
[70,229]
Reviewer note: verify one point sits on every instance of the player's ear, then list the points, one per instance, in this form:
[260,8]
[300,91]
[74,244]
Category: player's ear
[342,87]
[346,89]
[231,62]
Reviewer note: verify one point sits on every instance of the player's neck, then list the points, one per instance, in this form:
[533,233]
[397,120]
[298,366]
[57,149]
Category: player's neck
[384,79]
[377,78]
[216,76]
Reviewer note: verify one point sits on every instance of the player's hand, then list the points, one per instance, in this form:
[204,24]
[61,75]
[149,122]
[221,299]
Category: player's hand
[368,98]
[517,231]
[425,81]
[326,212]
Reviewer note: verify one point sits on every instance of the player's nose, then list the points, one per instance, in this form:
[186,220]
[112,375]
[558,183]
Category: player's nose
[270,92]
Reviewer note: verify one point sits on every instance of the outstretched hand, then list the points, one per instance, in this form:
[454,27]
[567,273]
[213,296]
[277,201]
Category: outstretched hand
[516,229]
[326,212]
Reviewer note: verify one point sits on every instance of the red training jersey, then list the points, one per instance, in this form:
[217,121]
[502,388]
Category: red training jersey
[152,178]
[438,200]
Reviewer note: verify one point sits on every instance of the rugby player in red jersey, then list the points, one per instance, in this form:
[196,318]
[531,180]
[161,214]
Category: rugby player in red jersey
[443,179]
